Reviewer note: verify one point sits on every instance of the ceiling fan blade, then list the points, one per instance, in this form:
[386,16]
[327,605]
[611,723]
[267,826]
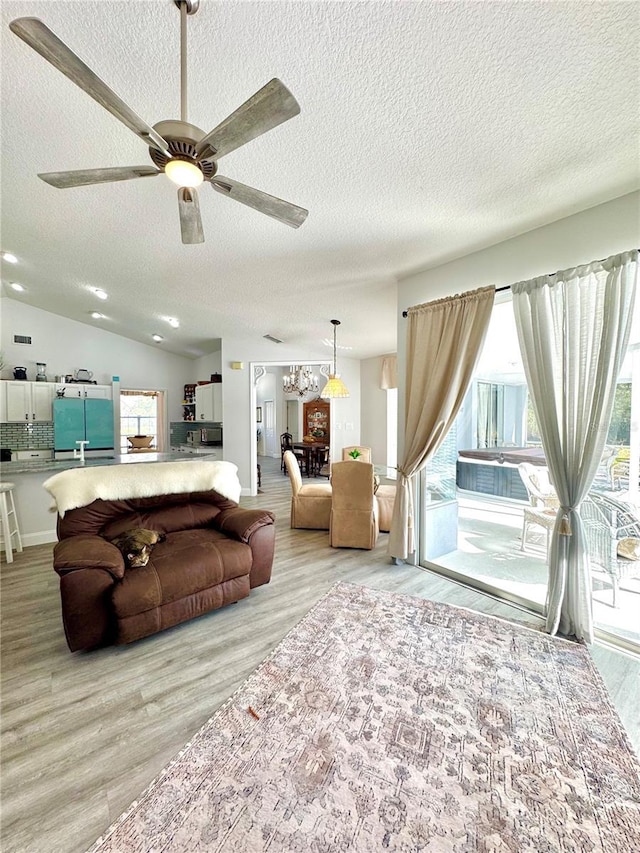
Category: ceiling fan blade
[268,108]
[83,177]
[190,220]
[38,36]
[281,210]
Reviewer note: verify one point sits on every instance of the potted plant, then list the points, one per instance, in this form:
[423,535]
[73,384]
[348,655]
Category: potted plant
[354,453]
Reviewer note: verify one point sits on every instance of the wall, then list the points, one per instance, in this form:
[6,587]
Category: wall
[66,345]
[373,430]
[594,233]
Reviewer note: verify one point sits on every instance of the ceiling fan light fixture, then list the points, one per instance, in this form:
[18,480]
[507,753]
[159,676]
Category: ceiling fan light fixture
[184,173]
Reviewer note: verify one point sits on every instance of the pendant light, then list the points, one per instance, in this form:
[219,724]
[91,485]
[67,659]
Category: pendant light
[335,387]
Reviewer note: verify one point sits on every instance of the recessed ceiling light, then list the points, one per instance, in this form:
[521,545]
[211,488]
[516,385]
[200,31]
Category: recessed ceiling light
[157,338]
[16,286]
[9,258]
[173,322]
[97,315]
[99,293]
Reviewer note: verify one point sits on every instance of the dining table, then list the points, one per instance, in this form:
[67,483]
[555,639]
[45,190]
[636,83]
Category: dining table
[310,455]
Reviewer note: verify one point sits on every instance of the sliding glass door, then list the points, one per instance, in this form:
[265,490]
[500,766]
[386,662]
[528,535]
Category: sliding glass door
[487,506]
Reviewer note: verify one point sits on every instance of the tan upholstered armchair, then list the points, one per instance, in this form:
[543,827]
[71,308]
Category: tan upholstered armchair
[354,510]
[311,502]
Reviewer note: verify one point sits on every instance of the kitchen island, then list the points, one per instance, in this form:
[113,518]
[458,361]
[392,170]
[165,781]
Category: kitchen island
[34,504]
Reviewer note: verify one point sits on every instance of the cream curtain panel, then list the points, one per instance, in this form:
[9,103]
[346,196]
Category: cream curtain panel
[444,340]
[573,329]
[389,372]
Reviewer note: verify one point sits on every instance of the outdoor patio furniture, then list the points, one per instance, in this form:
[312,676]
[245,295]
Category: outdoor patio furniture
[612,527]
[543,501]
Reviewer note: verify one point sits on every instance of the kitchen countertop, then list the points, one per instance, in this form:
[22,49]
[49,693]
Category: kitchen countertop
[34,466]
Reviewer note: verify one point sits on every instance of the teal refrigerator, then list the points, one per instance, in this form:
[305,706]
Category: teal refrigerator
[83,420]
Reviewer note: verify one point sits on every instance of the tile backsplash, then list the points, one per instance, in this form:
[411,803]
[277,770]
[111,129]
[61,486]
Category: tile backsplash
[34,436]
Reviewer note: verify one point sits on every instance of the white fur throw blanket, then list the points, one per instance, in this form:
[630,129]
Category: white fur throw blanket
[78,487]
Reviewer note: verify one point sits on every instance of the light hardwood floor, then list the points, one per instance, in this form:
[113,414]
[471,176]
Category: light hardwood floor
[83,734]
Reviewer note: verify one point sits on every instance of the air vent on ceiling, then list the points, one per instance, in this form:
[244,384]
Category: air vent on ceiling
[271,338]
[22,339]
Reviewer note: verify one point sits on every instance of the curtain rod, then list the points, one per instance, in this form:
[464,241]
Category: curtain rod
[405,314]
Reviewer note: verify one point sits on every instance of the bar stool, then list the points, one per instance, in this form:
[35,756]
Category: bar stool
[8,525]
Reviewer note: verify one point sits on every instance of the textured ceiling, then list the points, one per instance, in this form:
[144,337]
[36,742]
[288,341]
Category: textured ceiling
[427,130]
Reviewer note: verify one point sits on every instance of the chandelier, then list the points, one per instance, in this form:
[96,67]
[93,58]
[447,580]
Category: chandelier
[300,380]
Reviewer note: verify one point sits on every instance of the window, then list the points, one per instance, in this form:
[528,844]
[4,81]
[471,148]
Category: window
[138,416]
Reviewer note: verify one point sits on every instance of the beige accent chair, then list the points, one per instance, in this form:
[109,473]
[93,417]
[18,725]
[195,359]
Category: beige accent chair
[354,510]
[364,451]
[311,502]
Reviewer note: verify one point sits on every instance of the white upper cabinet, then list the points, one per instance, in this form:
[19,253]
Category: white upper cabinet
[26,401]
[209,402]
[88,391]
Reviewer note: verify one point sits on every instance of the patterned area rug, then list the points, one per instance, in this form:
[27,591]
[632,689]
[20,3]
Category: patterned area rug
[385,722]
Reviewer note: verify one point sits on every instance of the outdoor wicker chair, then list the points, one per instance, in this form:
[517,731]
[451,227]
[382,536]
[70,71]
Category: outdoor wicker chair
[612,527]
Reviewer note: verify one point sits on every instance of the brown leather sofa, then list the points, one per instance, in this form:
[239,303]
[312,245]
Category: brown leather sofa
[214,553]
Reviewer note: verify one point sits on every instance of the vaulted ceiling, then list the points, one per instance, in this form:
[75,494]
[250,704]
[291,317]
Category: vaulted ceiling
[427,130]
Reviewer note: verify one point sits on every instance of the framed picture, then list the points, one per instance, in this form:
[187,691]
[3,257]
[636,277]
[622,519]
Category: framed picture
[259,414]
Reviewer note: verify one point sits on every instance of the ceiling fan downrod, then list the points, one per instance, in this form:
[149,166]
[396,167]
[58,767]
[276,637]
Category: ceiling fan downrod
[187,7]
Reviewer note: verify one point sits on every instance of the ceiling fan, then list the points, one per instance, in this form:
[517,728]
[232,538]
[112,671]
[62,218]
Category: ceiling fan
[184,153]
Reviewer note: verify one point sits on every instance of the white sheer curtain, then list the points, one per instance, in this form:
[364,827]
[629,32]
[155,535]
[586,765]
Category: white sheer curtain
[573,329]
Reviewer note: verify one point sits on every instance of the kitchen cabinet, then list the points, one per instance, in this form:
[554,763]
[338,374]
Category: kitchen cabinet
[86,391]
[83,420]
[209,402]
[26,401]
[20,455]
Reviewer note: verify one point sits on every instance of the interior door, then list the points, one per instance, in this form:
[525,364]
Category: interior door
[269,423]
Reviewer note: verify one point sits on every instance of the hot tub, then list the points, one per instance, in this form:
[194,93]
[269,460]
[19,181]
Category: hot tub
[494,470]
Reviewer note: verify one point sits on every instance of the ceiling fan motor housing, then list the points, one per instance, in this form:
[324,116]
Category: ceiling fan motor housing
[182,139]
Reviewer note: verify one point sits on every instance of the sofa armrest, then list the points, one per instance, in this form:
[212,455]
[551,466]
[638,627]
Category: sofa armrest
[257,528]
[242,523]
[87,552]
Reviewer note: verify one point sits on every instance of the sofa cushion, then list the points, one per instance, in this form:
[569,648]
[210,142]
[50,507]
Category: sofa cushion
[187,562]
[164,513]
[629,548]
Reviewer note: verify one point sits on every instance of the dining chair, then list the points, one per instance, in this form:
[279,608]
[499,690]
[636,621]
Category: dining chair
[286,443]
[310,502]
[321,466]
[354,511]
[365,453]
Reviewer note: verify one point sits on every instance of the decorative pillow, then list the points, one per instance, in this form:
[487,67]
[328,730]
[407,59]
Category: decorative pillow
[629,548]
